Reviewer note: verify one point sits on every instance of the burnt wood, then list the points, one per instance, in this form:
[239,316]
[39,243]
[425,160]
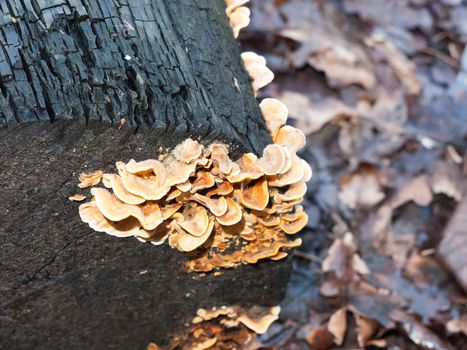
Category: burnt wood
[85,83]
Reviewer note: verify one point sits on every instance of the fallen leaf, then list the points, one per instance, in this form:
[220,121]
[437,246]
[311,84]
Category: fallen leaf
[343,260]
[418,333]
[447,179]
[366,329]
[417,190]
[337,325]
[457,325]
[452,247]
[320,339]
[312,115]
[361,189]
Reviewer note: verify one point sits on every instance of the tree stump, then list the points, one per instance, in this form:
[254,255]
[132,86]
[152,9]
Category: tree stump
[83,84]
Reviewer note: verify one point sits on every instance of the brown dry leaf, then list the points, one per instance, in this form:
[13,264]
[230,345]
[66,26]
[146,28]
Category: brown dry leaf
[320,339]
[337,325]
[361,189]
[452,247]
[312,115]
[344,65]
[377,131]
[366,329]
[418,333]
[448,180]
[391,14]
[343,260]
[417,190]
[457,325]
[329,288]
[324,45]
[403,67]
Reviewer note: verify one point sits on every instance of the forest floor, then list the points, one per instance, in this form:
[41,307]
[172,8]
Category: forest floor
[380,89]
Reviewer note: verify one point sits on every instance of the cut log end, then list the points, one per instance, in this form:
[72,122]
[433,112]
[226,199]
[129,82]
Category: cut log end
[64,284]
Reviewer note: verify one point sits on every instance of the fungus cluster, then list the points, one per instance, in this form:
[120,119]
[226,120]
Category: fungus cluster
[258,319]
[224,213]
[238,15]
[223,328]
[256,67]
[221,212]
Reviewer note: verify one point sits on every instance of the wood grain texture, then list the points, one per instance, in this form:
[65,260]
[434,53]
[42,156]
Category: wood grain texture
[171,66]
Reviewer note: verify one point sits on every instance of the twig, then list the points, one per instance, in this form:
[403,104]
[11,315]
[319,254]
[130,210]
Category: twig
[307,256]
[441,56]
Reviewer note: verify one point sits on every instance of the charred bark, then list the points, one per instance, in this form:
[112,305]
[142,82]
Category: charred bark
[84,83]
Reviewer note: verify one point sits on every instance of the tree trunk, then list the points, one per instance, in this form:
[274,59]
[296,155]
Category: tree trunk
[85,83]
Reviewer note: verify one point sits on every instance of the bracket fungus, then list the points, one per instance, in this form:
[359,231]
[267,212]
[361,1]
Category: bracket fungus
[238,15]
[221,212]
[248,207]
[223,327]
[258,319]
[256,67]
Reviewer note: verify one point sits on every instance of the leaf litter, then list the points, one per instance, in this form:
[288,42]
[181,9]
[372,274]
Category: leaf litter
[380,89]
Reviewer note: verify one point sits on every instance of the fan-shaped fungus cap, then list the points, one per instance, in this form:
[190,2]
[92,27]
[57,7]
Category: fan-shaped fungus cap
[91,215]
[255,65]
[276,159]
[173,194]
[151,187]
[295,191]
[149,215]
[146,166]
[293,175]
[279,256]
[187,242]
[222,189]
[179,172]
[274,113]
[77,198]
[238,19]
[205,344]
[188,150]
[233,4]
[207,315]
[250,57]
[220,157]
[217,206]
[169,209]
[260,325]
[194,219]
[115,182]
[293,138]
[185,186]
[254,195]
[271,250]
[307,172]
[157,236]
[90,179]
[269,221]
[293,223]
[245,169]
[233,214]
[203,180]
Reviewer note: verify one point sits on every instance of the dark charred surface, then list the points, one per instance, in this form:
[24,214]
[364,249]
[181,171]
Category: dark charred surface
[62,285]
[84,83]
[169,66]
